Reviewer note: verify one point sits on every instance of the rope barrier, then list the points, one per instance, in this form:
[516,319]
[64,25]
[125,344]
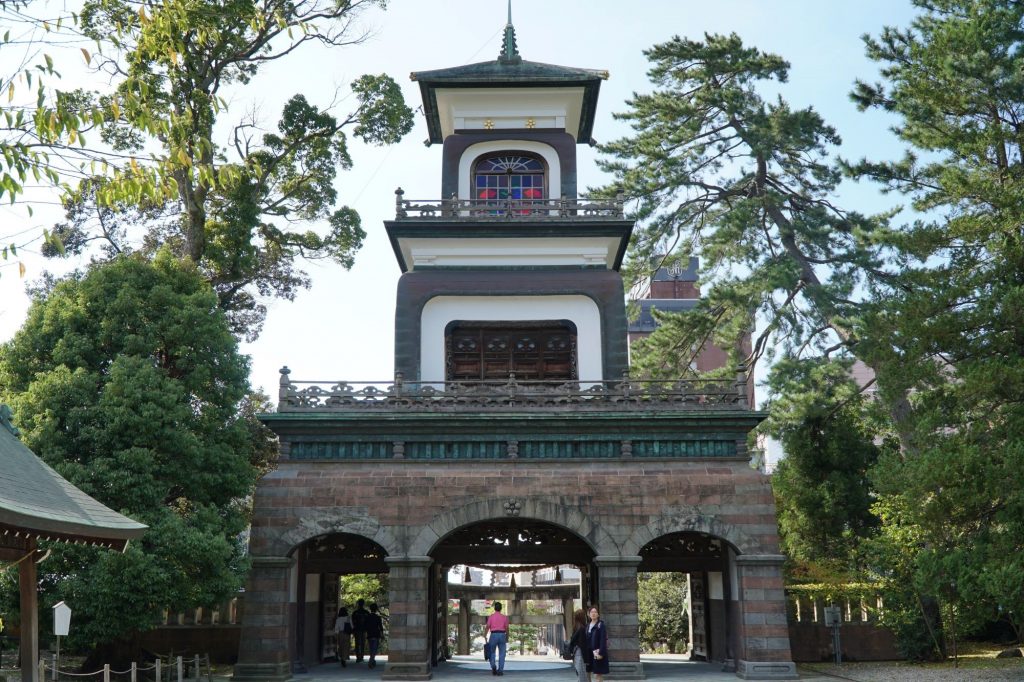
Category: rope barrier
[193,665]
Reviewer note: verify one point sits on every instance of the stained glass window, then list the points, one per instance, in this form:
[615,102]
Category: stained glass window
[509,176]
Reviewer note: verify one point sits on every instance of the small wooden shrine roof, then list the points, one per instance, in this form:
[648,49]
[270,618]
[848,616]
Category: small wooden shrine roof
[37,502]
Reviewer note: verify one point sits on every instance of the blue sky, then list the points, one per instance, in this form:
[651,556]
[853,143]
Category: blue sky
[343,327]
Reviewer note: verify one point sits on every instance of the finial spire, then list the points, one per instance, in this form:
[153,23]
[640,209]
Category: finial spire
[509,49]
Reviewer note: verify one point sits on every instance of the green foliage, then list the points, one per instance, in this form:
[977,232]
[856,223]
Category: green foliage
[366,586]
[663,611]
[128,381]
[233,207]
[744,183]
[524,637]
[951,502]
[823,495]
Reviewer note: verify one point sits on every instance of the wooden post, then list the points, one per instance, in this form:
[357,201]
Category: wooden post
[181,669]
[195,662]
[106,672]
[158,673]
[464,613]
[53,673]
[28,583]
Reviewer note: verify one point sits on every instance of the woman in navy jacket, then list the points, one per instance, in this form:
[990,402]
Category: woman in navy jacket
[597,642]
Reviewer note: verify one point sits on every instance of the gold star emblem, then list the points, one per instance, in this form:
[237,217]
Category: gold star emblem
[488,124]
[530,123]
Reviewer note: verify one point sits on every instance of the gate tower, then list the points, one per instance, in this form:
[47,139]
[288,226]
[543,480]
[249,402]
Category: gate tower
[512,433]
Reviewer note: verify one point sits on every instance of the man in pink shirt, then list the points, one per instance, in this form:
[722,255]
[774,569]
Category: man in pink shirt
[497,634]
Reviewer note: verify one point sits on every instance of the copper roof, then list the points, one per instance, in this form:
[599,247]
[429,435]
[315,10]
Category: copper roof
[36,501]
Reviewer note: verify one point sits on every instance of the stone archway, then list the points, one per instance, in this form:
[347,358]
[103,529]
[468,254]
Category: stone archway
[500,535]
[691,520]
[313,523]
[319,564]
[564,516]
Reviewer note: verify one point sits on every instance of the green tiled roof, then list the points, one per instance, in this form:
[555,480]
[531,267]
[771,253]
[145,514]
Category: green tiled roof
[37,501]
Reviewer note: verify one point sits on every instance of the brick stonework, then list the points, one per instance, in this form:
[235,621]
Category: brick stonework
[616,506]
[764,637]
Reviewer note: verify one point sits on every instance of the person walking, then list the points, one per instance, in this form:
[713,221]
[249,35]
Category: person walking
[579,645]
[497,635]
[343,632]
[597,642]
[359,616]
[374,632]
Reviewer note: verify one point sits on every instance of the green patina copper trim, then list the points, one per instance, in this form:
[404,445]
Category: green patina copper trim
[530,448]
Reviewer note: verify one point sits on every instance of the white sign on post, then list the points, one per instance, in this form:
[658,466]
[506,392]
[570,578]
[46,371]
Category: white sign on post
[61,619]
[833,616]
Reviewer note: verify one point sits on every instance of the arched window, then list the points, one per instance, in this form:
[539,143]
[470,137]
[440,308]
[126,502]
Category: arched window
[509,175]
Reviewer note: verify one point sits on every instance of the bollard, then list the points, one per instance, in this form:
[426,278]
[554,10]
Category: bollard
[181,672]
[53,676]
[42,669]
[195,662]
[156,673]
[135,671]
[106,672]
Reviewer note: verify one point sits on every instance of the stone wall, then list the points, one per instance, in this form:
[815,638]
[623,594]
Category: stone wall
[616,506]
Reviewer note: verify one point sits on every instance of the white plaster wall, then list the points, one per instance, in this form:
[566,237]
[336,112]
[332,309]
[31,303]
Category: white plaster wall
[580,310]
[490,252]
[473,152]
[472,108]
[715,590]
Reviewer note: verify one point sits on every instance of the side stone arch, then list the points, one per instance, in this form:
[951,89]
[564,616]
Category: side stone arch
[313,523]
[530,508]
[690,520]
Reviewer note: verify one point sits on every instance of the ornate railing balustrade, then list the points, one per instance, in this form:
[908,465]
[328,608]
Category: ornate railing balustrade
[623,394]
[507,209]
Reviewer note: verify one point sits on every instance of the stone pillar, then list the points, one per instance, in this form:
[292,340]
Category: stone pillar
[616,582]
[464,607]
[263,650]
[408,635]
[28,584]
[763,640]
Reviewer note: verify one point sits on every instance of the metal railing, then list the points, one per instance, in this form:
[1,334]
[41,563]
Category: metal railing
[507,209]
[623,394]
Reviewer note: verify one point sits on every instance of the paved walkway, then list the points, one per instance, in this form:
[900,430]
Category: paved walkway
[531,669]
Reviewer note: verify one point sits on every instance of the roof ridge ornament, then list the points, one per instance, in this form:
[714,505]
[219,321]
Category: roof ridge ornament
[509,50]
[6,419]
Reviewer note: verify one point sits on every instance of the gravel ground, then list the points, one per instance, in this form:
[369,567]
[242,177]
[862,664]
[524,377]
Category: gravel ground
[986,669]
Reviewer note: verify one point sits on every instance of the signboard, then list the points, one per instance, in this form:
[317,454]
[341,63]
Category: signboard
[61,619]
[833,616]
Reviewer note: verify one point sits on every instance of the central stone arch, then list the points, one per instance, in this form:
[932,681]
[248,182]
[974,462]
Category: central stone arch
[562,515]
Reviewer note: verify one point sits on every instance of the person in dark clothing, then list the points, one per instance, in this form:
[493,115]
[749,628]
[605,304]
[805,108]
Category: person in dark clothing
[374,633]
[597,642]
[343,632]
[579,645]
[359,618]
